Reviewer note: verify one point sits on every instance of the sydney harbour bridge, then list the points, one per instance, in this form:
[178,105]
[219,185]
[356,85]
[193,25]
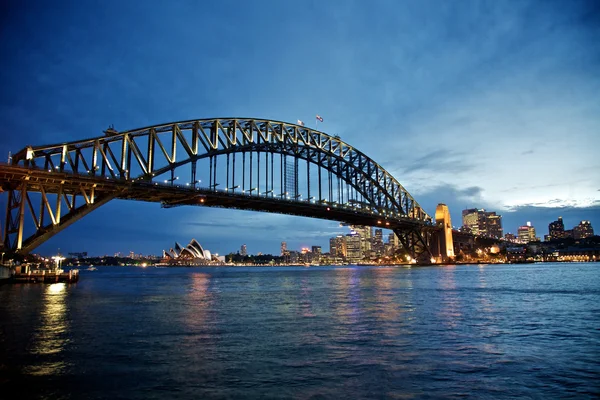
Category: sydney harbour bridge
[239,163]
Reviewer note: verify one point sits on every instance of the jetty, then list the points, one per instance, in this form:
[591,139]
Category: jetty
[26,274]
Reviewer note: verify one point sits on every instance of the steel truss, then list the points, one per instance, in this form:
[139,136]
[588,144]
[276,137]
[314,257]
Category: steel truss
[145,164]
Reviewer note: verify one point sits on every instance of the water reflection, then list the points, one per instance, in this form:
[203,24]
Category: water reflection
[199,300]
[387,308]
[346,296]
[51,336]
[305,299]
[450,310]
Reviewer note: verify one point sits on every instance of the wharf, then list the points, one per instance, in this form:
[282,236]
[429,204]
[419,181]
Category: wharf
[44,276]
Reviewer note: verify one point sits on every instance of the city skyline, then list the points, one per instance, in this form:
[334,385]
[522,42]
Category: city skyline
[493,107]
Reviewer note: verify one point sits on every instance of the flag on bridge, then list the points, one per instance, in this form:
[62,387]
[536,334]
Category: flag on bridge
[319,118]
[300,123]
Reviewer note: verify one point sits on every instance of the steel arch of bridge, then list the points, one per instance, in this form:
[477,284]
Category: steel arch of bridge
[85,174]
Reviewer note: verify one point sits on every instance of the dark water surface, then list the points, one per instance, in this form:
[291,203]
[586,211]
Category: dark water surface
[490,331]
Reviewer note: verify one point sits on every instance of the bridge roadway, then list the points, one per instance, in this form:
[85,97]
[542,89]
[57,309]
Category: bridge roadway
[171,195]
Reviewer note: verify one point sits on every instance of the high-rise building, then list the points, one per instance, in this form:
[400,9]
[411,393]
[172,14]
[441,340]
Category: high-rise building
[243,250]
[283,248]
[393,241]
[337,246]
[526,233]
[442,219]
[583,230]
[470,220]
[353,249]
[377,242]
[316,249]
[365,233]
[482,223]
[556,229]
[494,225]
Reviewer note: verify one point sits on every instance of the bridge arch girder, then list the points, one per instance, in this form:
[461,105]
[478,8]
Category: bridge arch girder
[117,155]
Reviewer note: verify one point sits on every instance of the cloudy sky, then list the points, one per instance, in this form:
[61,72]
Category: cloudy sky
[487,104]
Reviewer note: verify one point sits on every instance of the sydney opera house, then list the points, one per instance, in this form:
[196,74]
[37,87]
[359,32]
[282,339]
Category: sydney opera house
[192,254]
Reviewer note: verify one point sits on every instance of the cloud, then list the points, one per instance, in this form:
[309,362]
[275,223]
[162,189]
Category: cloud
[441,161]
[540,217]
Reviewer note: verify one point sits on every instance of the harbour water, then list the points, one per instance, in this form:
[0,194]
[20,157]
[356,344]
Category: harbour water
[480,331]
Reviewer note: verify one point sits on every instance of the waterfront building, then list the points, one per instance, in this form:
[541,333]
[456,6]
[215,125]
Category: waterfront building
[377,242]
[353,249]
[526,233]
[556,229]
[337,246]
[482,223]
[470,220]
[193,253]
[493,225]
[317,250]
[283,248]
[365,233]
[583,230]
[243,250]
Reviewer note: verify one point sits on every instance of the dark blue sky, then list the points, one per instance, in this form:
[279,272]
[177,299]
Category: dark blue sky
[492,105]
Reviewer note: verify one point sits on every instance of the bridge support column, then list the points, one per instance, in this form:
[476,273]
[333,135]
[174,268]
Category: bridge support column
[15,217]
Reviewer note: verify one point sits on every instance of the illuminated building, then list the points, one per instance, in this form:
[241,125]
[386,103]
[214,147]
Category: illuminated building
[526,233]
[470,220]
[493,225]
[243,250]
[442,219]
[192,252]
[353,248]
[337,246]
[394,243]
[283,248]
[377,242]
[583,230]
[556,229]
[365,233]
[316,249]
[482,223]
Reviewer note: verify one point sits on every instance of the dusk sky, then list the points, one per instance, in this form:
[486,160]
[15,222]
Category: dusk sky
[475,104]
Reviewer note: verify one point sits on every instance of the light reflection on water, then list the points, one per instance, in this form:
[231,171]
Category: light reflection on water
[434,332]
[52,333]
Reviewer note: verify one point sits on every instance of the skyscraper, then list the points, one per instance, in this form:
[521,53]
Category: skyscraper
[470,220]
[377,242]
[526,233]
[243,250]
[494,225]
[283,248]
[353,250]
[482,223]
[583,230]
[556,229]
[365,233]
[337,246]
